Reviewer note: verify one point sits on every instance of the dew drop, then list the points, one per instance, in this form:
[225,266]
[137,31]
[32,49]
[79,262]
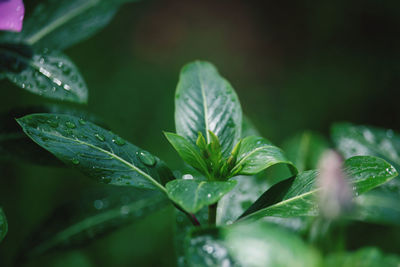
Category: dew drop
[209,195]
[52,123]
[75,161]
[389,133]
[70,125]
[99,137]
[187,177]
[146,158]
[118,140]
[82,121]
[389,171]
[67,87]
[124,210]
[208,248]
[98,204]
[57,81]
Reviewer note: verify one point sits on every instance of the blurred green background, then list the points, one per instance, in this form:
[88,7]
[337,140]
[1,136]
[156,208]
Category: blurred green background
[295,65]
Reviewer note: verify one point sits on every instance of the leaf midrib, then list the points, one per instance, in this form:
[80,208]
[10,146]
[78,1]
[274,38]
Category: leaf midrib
[60,21]
[281,203]
[205,105]
[248,155]
[115,157]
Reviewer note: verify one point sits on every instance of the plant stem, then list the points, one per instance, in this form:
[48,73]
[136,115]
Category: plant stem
[193,219]
[212,214]
[190,216]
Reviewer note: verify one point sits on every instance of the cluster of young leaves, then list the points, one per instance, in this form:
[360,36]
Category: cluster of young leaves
[208,120]
[33,59]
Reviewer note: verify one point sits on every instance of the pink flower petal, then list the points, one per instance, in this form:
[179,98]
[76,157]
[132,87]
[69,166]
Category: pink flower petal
[11,15]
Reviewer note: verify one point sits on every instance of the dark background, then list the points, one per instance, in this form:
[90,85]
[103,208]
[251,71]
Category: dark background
[295,65]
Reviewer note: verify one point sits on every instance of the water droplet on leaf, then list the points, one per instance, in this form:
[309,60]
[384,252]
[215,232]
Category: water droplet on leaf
[146,158]
[208,248]
[52,123]
[100,137]
[187,177]
[82,121]
[118,140]
[125,210]
[98,204]
[70,125]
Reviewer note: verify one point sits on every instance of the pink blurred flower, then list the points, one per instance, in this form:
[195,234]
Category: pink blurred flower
[335,195]
[11,15]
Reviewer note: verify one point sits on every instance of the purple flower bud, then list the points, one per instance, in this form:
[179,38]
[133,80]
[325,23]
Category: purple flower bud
[11,15]
[335,195]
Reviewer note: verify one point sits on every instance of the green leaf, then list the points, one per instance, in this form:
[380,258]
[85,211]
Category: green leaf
[3,225]
[305,150]
[16,145]
[257,154]
[352,140]
[204,101]
[188,152]
[49,74]
[256,244]
[58,24]
[95,151]
[91,216]
[364,173]
[273,195]
[365,257]
[192,195]
[378,206]
[245,193]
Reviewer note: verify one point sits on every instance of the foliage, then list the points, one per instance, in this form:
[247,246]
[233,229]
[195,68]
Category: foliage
[243,202]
